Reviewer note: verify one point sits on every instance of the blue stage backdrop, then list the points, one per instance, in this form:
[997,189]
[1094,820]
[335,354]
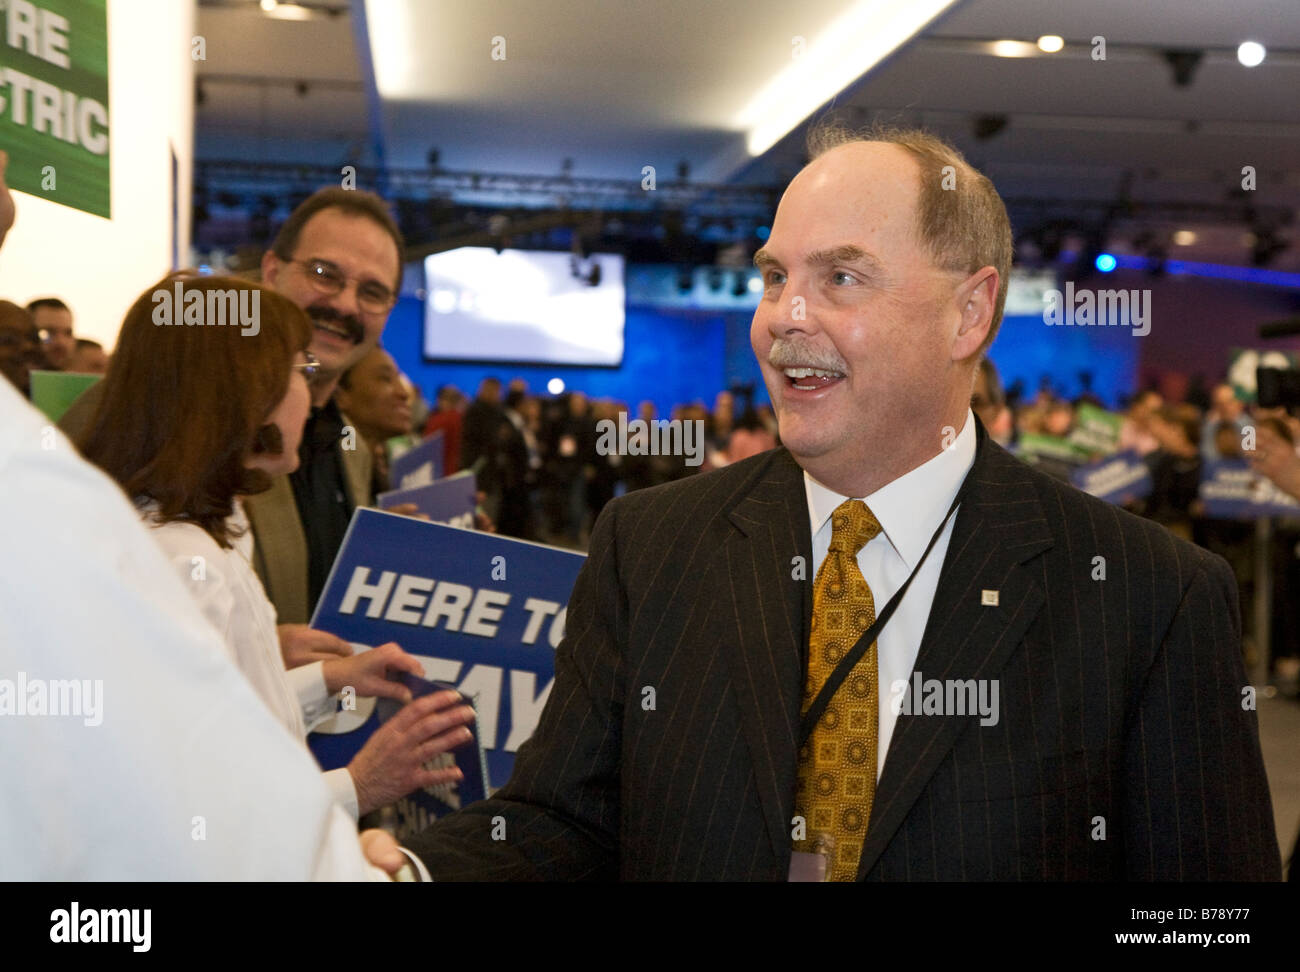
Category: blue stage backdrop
[674,355]
[669,357]
[1027,349]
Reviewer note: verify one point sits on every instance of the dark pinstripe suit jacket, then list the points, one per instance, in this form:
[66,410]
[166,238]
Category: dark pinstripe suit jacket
[1122,750]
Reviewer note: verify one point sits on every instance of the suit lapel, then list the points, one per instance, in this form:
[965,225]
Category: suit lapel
[358,466]
[280,549]
[771,596]
[1000,526]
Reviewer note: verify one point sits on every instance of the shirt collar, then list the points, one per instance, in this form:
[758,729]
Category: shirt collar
[911,507]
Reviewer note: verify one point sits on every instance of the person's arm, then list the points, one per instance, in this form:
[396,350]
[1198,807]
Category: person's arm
[183,773]
[557,818]
[344,791]
[307,682]
[1196,804]
[1276,459]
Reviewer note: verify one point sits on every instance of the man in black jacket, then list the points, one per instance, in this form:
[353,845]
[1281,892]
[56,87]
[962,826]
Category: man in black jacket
[1058,693]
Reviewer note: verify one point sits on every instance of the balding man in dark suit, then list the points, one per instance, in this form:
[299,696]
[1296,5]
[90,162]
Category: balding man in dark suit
[887,650]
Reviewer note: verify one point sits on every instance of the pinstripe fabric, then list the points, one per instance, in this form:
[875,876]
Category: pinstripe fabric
[1120,701]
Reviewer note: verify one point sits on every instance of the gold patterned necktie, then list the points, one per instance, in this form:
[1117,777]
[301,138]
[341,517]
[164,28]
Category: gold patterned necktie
[836,780]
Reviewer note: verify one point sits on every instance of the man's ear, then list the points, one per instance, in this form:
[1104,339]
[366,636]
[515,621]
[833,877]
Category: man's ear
[270,268]
[976,297]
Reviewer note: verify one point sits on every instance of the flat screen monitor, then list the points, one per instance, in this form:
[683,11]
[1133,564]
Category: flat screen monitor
[524,305]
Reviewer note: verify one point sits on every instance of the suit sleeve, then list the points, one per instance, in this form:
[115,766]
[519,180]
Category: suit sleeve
[557,819]
[1197,805]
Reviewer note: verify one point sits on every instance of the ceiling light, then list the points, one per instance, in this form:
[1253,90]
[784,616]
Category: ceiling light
[1184,238]
[287,11]
[1051,43]
[1012,48]
[391,27]
[849,47]
[1251,53]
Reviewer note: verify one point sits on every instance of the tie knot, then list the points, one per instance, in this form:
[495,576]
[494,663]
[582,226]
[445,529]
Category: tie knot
[852,526]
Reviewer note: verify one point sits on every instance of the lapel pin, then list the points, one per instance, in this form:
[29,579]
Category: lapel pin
[989,598]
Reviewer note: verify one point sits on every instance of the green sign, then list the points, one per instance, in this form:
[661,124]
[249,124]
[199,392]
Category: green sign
[53,392]
[54,100]
[1051,447]
[1096,430]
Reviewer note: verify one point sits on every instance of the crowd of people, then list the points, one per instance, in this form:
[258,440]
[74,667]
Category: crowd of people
[231,449]
[1176,439]
[39,337]
[539,460]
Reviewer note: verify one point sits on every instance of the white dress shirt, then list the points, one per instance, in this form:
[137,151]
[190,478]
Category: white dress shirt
[909,510]
[172,779]
[228,591]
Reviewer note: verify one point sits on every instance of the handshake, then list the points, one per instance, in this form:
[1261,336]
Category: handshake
[392,762]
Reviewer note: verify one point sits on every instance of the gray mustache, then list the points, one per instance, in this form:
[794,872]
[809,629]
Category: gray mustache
[786,355]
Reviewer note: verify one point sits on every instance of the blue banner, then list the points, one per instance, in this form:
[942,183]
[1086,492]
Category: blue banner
[417,810]
[484,612]
[418,466]
[1231,490]
[1117,479]
[450,501]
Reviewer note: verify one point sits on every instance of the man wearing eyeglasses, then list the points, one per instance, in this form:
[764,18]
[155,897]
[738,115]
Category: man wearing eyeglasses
[338,257]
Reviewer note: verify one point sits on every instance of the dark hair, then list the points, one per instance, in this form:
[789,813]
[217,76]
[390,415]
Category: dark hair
[1278,426]
[992,382]
[52,302]
[355,202]
[345,379]
[514,398]
[15,312]
[84,343]
[1186,418]
[184,406]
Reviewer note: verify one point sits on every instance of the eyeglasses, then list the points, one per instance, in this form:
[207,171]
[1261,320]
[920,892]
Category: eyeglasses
[372,297]
[309,368]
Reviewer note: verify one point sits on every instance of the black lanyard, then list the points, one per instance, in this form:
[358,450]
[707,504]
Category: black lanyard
[863,644]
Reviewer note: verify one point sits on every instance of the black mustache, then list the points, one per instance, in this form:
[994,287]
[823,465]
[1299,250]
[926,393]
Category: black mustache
[328,315]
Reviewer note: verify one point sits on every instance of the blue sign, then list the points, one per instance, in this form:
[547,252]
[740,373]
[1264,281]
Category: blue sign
[484,612]
[418,466]
[450,501]
[417,810]
[1231,490]
[1118,479]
